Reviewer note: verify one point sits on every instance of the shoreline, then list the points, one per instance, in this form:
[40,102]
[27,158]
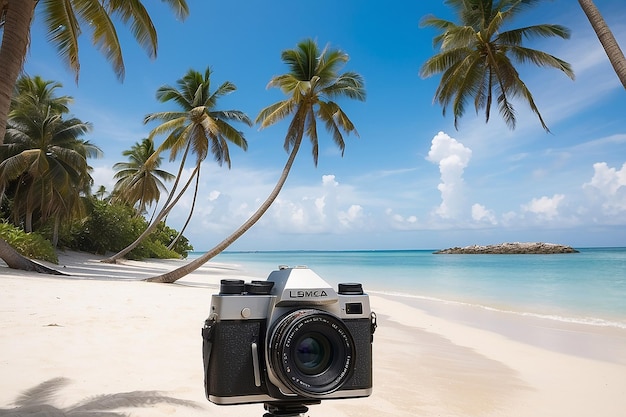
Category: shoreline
[109,333]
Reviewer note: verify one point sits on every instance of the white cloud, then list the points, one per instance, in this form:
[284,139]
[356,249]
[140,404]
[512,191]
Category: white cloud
[607,188]
[452,158]
[351,216]
[544,207]
[481,214]
[103,175]
[329,180]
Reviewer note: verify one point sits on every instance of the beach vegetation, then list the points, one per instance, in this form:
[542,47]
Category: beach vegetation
[479,54]
[45,183]
[312,85]
[32,245]
[197,128]
[65,21]
[110,226]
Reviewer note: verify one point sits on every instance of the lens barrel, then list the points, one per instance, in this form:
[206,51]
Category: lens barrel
[311,352]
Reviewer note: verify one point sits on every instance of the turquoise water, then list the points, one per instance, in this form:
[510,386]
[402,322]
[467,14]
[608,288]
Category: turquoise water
[586,287]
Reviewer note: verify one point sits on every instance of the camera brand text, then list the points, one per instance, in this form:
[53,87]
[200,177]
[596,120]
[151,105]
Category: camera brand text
[307,293]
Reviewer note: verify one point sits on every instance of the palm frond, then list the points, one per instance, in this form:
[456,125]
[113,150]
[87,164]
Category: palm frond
[275,113]
[104,36]
[63,30]
[141,25]
[231,134]
[541,59]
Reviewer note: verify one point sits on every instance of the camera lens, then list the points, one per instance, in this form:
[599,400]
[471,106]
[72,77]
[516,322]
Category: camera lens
[311,352]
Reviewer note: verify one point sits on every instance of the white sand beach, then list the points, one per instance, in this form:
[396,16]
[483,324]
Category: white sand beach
[102,332]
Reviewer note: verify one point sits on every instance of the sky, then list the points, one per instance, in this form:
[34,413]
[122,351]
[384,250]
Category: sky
[409,180]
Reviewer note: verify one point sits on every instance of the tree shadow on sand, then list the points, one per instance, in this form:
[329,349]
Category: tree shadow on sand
[37,402]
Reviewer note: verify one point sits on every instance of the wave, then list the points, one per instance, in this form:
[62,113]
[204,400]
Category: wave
[589,321]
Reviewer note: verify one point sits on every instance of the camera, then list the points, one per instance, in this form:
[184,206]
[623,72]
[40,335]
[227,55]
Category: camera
[291,339]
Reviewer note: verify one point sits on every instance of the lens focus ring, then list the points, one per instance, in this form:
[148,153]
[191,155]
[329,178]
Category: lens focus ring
[311,352]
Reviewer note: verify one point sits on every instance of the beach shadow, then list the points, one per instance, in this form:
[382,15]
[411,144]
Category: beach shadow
[38,402]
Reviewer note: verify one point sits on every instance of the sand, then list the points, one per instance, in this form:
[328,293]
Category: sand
[102,338]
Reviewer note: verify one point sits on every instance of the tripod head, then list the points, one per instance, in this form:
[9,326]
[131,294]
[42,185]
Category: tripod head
[287,409]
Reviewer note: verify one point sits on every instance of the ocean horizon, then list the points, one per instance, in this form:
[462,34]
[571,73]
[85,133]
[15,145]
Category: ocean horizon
[588,287]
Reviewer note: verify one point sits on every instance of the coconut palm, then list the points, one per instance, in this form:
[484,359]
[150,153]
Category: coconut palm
[101,193]
[47,161]
[64,20]
[477,57]
[312,85]
[198,127]
[610,45]
[140,182]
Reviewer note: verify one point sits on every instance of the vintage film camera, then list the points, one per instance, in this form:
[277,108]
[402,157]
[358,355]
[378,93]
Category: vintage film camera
[289,340]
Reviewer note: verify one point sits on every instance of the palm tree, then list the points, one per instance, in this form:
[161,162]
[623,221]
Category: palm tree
[45,159]
[477,57]
[101,192]
[610,45]
[64,20]
[198,127]
[312,84]
[140,182]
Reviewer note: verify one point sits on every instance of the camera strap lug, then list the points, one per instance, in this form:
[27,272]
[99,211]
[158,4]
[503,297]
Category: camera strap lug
[374,323]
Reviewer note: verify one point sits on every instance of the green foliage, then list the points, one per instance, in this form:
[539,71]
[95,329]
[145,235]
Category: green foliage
[166,234]
[31,245]
[110,227]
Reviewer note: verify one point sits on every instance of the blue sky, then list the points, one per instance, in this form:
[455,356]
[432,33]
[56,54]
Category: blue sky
[410,180]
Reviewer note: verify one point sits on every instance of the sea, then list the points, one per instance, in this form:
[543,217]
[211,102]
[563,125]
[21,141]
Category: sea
[588,287]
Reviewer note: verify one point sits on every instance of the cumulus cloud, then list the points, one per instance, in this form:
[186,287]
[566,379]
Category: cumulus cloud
[482,215]
[452,158]
[607,188]
[320,209]
[544,207]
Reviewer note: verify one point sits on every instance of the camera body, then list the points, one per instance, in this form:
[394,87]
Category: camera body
[289,339]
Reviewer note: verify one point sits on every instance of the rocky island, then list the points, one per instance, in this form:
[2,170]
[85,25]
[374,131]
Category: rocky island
[515,248]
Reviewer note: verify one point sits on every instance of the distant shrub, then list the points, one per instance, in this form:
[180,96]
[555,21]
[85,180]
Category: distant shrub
[111,227]
[31,245]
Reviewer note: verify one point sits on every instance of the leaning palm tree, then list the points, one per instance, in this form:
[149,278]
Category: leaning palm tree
[64,20]
[198,127]
[477,57]
[312,84]
[139,182]
[610,45]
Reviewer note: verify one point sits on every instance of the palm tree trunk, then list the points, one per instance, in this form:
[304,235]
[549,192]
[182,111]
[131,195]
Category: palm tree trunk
[55,230]
[610,45]
[16,261]
[19,15]
[173,276]
[15,37]
[113,259]
[193,205]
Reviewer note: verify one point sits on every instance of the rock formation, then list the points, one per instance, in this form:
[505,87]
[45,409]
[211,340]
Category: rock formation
[511,249]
